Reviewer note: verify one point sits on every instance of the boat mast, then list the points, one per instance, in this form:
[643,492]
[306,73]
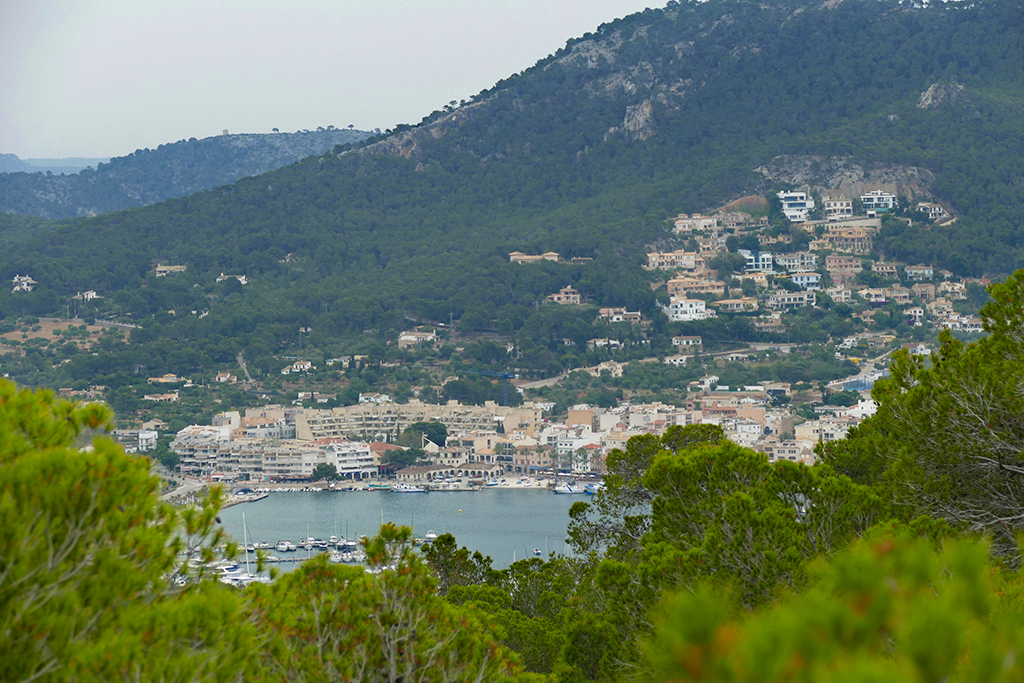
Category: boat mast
[245,543]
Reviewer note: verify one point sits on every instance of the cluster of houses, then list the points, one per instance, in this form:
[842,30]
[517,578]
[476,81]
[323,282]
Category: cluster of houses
[786,280]
[286,443]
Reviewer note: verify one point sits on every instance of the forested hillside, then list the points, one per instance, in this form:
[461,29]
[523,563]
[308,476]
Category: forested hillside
[173,170]
[586,153]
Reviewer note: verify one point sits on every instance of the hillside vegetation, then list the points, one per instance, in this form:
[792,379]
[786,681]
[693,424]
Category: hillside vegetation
[586,153]
[149,176]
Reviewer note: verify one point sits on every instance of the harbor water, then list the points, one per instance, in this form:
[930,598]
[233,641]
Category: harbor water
[502,523]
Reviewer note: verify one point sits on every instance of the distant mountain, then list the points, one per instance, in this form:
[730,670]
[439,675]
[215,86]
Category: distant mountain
[10,163]
[67,165]
[150,176]
[587,153]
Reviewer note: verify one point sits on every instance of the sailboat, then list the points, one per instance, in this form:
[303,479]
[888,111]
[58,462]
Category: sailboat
[233,576]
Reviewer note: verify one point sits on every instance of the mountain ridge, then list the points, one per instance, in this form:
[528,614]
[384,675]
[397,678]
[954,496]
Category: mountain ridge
[149,176]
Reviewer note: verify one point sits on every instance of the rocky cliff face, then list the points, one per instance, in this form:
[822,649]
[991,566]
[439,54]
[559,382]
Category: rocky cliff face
[153,175]
[844,176]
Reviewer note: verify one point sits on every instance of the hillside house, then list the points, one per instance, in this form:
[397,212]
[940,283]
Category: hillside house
[809,281]
[619,315]
[940,308]
[686,310]
[850,239]
[874,296]
[934,211]
[878,201]
[769,323]
[298,366]
[924,291]
[759,279]
[23,283]
[920,272]
[899,294]
[757,261]
[521,258]
[954,291]
[886,270]
[797,262]
[412,338]
[163,271]
[796,205]
[837,207]
[684,224]
[686,260]
[566,295]
[788,300]
[169,378]
[840,295]
[747,303]
[693,342]
[682,286]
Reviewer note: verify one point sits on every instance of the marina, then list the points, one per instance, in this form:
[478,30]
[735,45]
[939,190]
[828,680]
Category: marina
[503,523]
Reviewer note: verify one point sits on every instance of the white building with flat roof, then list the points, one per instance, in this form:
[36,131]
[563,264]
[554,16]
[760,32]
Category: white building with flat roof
[796,205]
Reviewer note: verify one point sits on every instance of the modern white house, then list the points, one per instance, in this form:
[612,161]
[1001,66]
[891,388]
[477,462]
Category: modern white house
[877,200]
[757,261]
[686,310]
[934,211]
[796,205]
[809,281]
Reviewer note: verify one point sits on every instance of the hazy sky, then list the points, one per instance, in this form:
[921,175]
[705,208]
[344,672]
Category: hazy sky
[97,78]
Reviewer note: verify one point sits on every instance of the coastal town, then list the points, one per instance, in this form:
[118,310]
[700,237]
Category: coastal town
[285,444]
[827,258]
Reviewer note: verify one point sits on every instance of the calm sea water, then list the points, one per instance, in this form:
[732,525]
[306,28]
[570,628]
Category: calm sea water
[499,522]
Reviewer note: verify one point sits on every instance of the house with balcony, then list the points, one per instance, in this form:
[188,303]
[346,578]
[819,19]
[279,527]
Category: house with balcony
[684,224]
[809,281]
[878,201]
[924,291]
[23,283]
[840,295]
[837,208]
[796,205]
[886,270]
[920,272]
[680,258]
[682,286]
[620,315]
[747,303]
[797,262]
[566,295]
[692,342]
[790,300]
[687,310]
[934,211]
[757,261]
